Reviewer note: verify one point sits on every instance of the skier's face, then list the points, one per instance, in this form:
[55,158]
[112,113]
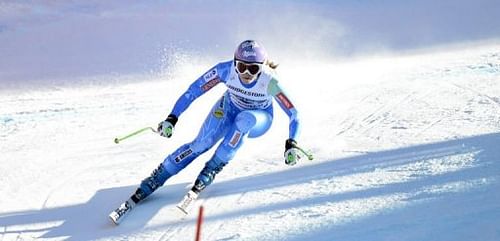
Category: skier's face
[247,72]
[247,78]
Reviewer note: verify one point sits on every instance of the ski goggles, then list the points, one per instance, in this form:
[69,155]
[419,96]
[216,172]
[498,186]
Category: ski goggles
[242,67]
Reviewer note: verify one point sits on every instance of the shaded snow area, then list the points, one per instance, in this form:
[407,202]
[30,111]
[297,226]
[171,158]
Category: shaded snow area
[404,126]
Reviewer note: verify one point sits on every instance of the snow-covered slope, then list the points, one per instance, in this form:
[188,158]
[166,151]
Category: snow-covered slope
[405,137]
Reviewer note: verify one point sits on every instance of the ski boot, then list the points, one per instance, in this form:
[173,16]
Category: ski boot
[204,179]
[148,186]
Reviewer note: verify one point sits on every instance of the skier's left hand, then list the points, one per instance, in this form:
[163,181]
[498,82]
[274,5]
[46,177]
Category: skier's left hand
[291,152]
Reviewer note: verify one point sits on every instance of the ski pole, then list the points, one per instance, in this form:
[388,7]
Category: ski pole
[309,155]
[117,139]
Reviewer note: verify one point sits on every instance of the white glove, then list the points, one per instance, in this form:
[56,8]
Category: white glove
[292,156]
[166,127]
[291,152]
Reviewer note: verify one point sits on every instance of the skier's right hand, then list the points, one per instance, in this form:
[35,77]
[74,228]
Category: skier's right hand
[166,127]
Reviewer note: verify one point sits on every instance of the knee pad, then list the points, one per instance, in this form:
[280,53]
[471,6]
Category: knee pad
[245,121]
[253,122]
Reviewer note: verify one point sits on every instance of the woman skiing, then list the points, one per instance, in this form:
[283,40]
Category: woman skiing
[245,110]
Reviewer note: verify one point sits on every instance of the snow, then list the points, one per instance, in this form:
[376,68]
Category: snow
[402,115]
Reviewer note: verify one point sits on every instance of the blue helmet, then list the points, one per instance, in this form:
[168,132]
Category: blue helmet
[251,52]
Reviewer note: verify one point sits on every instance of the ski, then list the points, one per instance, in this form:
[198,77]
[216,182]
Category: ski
[184,206]
[187,202]
[119,214]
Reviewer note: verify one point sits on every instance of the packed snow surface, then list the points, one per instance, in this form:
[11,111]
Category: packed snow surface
[404,125]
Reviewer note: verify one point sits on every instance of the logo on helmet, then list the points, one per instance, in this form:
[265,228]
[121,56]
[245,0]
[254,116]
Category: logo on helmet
[249,53]
[251,44]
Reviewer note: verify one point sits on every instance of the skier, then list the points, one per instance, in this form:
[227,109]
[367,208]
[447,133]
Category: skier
[245,110]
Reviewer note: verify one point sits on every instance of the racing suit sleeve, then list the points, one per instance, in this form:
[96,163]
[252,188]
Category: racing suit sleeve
[199,87]
[287,106]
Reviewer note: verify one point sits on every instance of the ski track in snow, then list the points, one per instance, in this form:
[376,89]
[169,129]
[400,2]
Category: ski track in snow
[328,198]
[408,149]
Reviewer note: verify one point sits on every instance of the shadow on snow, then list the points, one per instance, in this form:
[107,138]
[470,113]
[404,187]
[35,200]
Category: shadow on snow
[89,220]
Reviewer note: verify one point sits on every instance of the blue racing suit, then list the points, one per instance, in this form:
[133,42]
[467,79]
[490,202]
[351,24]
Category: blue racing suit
[245,110]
